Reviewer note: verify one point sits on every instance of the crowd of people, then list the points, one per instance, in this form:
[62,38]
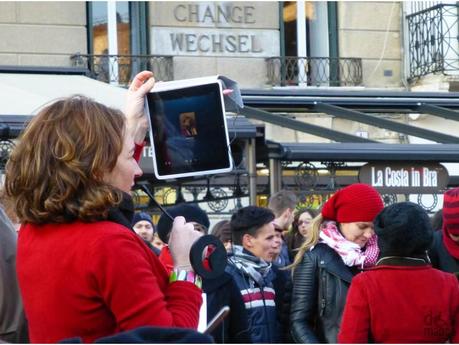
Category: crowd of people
[89,268]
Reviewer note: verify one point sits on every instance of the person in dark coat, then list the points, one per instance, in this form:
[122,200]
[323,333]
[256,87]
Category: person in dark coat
[340,244]
[444,252]
[13,325]
[437,220]
[402,299]
[250,265]
[282,204]
[193,214]
[223,291]
[220,291]
[144,227]
[222,231]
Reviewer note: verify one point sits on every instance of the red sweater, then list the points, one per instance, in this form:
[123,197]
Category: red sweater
[397,304]
[95,279]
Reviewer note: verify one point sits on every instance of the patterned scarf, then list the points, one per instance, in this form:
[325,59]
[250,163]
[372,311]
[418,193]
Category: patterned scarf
[250,265]
[350,252]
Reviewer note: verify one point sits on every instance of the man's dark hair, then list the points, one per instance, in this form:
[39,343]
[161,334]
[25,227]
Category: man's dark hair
[248,220]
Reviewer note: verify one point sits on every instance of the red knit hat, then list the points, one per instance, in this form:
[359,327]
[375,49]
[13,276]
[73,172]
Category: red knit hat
[451,211]
[355,203]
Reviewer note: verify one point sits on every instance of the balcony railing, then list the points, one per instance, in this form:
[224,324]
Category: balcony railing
[434,40]
[314,71]
[120,69]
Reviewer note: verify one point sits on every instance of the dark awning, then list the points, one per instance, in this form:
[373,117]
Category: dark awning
[364,152]
[362,106]
[288,99]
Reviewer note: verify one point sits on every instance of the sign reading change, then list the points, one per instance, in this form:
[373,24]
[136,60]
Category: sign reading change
[401,178]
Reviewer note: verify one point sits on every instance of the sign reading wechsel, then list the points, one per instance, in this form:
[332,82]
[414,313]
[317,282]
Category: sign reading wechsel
[404,179]
[221,30]
[204,41]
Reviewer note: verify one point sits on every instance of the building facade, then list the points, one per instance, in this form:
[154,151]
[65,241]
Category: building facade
[318,45]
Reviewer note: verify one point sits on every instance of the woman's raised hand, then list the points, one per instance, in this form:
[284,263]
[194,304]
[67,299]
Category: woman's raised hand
[137,122]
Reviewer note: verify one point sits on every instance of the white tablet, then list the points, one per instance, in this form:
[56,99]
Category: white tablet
[188,130]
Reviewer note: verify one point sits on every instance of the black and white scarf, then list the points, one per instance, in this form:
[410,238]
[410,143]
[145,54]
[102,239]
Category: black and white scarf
[250,265]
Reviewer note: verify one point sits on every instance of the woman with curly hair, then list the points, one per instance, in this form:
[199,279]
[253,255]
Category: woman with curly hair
[82,270]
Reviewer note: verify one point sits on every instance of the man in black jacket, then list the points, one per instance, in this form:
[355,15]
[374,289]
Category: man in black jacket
[250,266]
[223,291]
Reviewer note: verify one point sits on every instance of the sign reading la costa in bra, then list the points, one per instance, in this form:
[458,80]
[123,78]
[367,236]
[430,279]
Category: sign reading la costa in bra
[401,178]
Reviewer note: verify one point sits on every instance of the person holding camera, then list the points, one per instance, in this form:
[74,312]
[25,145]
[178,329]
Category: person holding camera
[82,270]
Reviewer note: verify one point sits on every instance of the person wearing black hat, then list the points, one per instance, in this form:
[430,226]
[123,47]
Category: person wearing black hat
[402,299]
[193,214]
[221,291]
[144,227]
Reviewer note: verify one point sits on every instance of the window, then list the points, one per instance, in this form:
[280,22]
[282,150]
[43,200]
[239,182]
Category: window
[117,32]
[309,31]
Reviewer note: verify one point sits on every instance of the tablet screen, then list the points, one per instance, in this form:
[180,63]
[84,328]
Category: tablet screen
[189,133]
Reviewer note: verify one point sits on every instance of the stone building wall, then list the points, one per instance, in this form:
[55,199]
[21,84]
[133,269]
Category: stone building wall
[41,33]
[372,31]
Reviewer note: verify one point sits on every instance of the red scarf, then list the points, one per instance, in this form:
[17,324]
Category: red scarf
[451,246]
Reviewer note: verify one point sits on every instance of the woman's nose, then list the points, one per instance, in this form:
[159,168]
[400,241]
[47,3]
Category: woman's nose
[138,171]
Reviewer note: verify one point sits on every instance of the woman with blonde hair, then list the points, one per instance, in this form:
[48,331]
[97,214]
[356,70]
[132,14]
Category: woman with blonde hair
[82,270]
[340,243]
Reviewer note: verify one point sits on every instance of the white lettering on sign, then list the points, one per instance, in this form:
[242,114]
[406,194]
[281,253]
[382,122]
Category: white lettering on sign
[388,177]
[377,179]
[396,178]
[429,178]
[415,178]
[147,151]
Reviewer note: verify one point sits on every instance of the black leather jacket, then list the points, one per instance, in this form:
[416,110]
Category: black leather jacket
[321,282]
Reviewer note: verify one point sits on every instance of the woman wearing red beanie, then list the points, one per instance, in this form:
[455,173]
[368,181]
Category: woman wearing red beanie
[402,299]
[340,243]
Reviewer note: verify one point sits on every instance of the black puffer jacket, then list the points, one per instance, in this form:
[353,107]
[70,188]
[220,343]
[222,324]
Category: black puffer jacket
[223,291]
[320,285]
[440,257]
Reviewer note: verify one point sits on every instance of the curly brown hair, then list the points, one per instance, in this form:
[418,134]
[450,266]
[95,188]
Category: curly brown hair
[55,173]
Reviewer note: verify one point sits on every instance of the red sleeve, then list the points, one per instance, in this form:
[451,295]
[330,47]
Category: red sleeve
[134,285]
[166,259]
[138,151]
[355,324]
[455,312]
